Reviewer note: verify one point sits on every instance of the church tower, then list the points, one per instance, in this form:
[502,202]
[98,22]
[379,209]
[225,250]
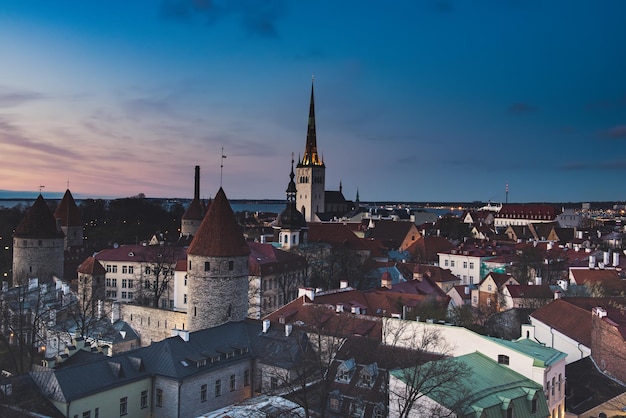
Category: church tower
[310,173]
[217,269]
[37,245]
[290,225]
[69,221]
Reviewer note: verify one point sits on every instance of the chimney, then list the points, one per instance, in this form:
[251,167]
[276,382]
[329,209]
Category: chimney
[196,189]
[266,325]
[309,292]
[599,312]
[385,280]
[606,258]
[558,294]
[343,284]
[288,329]
[115,312]
[616,259]
[592,261]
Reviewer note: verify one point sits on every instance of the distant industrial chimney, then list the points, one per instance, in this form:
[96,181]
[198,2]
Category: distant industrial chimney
[196,189]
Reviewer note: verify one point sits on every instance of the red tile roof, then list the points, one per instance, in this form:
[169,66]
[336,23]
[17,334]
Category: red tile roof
[336,234]
[426,248]
[142,253]
[265,258]
[219,234]
[566,316]
[526,291]
[91,266]
[195,211]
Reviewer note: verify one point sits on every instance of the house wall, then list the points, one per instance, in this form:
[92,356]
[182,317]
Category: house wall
[108,402]
[544,334]
[465,267]
[190,402]
[608,347]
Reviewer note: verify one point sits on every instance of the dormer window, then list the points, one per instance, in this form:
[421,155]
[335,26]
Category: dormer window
[345,370]
[503,359]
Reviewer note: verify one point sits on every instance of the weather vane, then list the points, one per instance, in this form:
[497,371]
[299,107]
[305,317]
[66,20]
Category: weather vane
[222,166]
[41,187]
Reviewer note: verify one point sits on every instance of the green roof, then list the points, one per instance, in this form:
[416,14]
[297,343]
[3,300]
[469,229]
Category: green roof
[490,389]
[543,356]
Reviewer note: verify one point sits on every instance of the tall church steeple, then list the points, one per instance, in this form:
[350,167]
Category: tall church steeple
[311,172]
[311,157]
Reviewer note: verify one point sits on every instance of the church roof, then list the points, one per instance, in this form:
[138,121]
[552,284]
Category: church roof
[38,222]
[91,266]
[219,234]
[67,211]
[311,157]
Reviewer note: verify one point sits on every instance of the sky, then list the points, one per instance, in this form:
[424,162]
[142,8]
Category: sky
[416,100]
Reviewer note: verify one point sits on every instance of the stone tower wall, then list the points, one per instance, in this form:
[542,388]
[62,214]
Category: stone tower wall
[219,294]
[189,226]
[73,236]
[37,257]
[310,194]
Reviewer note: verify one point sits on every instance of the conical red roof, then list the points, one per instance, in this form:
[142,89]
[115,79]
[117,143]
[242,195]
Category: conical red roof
[38,222]
[67,211]
[91,266]
[219,234]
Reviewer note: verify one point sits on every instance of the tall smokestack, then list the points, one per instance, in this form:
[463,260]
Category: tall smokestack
[196,189]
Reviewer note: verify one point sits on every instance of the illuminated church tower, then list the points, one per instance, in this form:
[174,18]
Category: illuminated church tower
[310,173]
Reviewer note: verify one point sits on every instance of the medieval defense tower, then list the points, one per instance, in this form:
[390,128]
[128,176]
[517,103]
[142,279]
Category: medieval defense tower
[69,221]
[310,173]
[217,269]
[192,218]
[37,246]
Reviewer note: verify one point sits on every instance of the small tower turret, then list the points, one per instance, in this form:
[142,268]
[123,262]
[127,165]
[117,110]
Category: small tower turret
[290,225]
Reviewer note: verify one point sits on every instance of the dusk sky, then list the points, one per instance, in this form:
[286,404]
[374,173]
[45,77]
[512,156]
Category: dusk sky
[434,100]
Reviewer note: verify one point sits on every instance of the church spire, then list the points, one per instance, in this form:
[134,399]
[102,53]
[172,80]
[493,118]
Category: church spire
[311,156]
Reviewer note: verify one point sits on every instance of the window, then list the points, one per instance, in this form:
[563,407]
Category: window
[207,266]
[503,359]
[451,263]
[334,404]
[96,413]
[124,269]
[147,270]
[131,270]
[231,265]
[114,282]
[114,269]
[465,264]
[87,414]
[108,282]
[159,397]
[185,280]
[123,295]
[274,383]
[233,382]
[344,375]
[533,405]
[560,380]
[185,298]
[109,268]
[471,265]
[123,406]
[489,288]
[218,388]
[124,283]
[553,378]
[445,263]
[246,377]
[144,399]
[130,295]
[366,379]
[203,392]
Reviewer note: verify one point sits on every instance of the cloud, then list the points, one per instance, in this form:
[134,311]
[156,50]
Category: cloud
[11,135]
[521,107]
[257,18]
[616,132]
[10,97]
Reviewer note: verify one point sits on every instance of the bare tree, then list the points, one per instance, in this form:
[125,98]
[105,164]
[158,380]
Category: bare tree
[432,373]
[25,311]
[156,279]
